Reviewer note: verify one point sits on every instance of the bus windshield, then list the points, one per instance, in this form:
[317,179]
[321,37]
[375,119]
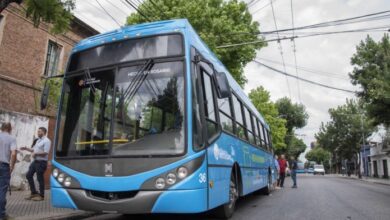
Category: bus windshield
[131,111]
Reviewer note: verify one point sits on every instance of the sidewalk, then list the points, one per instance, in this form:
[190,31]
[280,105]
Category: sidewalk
[21,209]
[366,179]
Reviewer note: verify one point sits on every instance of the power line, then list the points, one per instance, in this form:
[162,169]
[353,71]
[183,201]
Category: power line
[302,79]
[351,20]
[147,9]
[91,20]
[309,70]
[252,2]
[295,52]
[280,48]
[108,13]
[269,3]
[384,29]
[119,9]
[136,9]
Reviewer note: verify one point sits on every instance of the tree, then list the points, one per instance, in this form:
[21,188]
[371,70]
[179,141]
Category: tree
[345,133]
[295,146]
[295,114]
[296,117]
[261,100]
[56,12]
[319,155]
[372,73]
[217,22]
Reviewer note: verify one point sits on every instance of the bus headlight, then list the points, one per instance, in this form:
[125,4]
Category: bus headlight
[160,183]
[68,181]
[182,172]
[61,177]
[55,172]
[171,178]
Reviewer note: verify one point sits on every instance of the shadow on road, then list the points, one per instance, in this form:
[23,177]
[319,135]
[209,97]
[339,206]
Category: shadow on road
[247,201]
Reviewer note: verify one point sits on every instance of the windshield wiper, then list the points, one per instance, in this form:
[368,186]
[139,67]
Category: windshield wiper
[139,78]
[87,75]
[132,88]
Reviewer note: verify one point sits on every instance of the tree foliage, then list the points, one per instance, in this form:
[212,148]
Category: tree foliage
[295,146]
[261,100]
[56,12]
[372,72]
[343,135]
[217,22]
[319,155]
[296,117]
[295,114]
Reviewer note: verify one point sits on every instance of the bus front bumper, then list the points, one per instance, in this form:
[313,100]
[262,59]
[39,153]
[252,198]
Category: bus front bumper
[170,201]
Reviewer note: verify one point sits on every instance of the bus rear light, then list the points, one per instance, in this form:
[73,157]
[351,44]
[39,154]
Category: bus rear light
[55,172]
[182,172]
[68,181]
[61,177]
[171,178]
[160,183]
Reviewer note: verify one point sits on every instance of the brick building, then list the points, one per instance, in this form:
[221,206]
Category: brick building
[27,54]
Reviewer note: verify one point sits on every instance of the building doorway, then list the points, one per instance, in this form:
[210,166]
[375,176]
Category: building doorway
[385,169]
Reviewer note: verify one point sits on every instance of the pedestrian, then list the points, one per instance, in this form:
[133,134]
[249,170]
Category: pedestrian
[7,163]
[278,171]
[40,155]
[294,167]
[282,173]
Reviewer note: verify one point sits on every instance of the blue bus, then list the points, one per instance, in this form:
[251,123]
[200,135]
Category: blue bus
[150,121]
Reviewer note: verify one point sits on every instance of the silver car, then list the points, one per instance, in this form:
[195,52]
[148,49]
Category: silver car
[319,169]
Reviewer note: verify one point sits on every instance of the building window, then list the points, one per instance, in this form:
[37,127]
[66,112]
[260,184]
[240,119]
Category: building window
[52,58]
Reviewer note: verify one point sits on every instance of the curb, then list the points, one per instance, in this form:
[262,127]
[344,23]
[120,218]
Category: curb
[69,216]
[364,180]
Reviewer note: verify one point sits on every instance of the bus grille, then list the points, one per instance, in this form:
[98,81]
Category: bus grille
[112,195]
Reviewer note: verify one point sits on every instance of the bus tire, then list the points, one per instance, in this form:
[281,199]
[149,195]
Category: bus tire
[226,211]
[268,189]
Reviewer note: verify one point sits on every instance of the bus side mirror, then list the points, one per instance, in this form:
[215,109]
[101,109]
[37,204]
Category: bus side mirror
[45,95]
[222,85]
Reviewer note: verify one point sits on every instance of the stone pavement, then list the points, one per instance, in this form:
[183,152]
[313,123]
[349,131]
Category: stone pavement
[21,209]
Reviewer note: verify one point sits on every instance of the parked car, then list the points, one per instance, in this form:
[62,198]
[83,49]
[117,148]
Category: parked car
[309,170]
[319,169]
[301,167]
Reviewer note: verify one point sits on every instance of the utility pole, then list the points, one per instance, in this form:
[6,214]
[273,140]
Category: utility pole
[363,145]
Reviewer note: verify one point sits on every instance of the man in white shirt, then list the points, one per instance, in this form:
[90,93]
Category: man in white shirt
[40,154]
[7,162]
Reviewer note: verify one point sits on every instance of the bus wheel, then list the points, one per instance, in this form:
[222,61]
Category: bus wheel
[226,211]
[267,190]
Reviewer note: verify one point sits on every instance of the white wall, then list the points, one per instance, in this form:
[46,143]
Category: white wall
[24,128]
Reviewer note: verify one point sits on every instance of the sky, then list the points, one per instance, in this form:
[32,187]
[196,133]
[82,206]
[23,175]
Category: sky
[327,57]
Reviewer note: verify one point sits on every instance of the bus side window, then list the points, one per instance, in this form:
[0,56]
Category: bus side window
[263,145]
[240,129]
[255,130]
[268,141]
[225,115]
[249,127]
[266,138]
[208,96]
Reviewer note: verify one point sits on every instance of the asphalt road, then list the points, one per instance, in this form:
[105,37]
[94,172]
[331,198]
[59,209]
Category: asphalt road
[317,197]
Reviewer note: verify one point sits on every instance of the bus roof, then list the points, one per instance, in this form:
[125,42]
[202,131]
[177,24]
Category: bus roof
[169,26]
